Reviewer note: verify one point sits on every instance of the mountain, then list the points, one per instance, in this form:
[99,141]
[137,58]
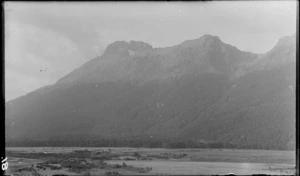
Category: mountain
[140,62]
[198,90]
[282,53]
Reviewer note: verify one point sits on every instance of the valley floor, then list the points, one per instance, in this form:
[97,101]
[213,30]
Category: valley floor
[139,161]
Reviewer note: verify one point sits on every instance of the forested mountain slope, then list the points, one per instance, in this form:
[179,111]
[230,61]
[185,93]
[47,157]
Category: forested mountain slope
[199,90]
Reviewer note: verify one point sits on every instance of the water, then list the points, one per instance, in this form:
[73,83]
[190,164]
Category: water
[209,168]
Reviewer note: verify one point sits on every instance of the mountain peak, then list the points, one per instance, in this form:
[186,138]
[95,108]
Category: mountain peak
[210,37]
[206,39]
[139,46]
[119,47]
[282,53]
[287,41]
[116,47]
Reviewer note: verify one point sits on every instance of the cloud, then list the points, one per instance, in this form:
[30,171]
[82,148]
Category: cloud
[37,55]
[20,84]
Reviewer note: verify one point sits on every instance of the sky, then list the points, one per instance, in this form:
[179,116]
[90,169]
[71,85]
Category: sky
[44,41]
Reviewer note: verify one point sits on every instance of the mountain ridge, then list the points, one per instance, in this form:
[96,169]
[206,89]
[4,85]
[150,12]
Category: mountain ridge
[204,54]
[205,92]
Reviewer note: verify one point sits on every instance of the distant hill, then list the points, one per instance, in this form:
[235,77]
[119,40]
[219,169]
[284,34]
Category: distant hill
[199,90]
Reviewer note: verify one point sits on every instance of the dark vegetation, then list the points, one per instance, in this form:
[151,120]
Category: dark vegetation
[112,173]
[113,162]
[167,156]
[159,143]
[76,165]
[77,161]
[74,154]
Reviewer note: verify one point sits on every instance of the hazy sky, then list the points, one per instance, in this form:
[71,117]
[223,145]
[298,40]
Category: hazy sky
[45,41]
